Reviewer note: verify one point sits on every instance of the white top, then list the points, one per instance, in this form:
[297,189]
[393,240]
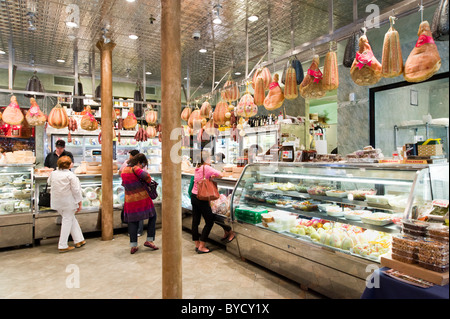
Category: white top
[65,189]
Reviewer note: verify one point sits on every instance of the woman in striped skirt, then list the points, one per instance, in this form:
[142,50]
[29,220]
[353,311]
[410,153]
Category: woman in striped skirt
[138,204]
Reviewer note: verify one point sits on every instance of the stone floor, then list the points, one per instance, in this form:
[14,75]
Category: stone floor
[106,269]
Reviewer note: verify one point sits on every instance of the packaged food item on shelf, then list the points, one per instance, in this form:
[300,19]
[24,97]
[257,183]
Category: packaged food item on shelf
[438,261]
[335,211]
[318,190]
[416,225]
[414,233]
[336,193]
[378,219]
[432,248]
[410,253]
[404,259]
[360,194]
[305,205]
[439,233]
[356,214]
[436,268]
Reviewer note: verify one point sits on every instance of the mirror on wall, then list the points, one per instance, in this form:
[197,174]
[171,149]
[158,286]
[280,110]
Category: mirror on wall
[404,113]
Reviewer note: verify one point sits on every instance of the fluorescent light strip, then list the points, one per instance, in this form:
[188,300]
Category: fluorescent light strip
[342,179]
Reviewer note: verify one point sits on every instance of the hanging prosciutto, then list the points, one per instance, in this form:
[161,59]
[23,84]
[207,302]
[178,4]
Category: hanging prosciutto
[275,98]
[424,60]
[13,114]
[311,86]
[246,107]
[34,116]
[365,70]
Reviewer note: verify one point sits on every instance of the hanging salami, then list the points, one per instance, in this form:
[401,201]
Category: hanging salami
[330,72]
[440,25]
[392,61]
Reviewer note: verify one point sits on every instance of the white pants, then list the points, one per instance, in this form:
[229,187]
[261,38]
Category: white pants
[69,226]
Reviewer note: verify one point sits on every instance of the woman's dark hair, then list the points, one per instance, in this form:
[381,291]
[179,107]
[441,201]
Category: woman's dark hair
[133,152]
[138,159]
[205,155]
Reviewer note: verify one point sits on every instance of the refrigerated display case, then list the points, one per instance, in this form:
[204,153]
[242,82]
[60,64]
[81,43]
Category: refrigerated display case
[48,221]
[264,136]
[16,196]
[226,145]
[322,225]
[82,146]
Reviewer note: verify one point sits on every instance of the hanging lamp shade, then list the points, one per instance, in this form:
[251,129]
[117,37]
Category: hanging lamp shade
[34,85]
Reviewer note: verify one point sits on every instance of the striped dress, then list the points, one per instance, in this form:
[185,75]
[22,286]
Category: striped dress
[138,204]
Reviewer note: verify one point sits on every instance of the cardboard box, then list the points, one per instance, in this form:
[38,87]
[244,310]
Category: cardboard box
[430,150]
[415,270]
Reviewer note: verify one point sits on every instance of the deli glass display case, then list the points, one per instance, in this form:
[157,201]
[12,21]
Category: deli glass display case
[16,197]
[48,221]
[323,224]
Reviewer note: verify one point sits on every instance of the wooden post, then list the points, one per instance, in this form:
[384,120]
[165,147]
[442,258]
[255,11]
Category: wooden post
[107,138]
[171,168]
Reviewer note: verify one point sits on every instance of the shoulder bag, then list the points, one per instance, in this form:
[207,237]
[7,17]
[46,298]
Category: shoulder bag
[149,187]
[44,198]
[207,189]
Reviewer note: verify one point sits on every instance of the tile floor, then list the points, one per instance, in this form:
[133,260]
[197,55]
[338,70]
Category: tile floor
[107,270]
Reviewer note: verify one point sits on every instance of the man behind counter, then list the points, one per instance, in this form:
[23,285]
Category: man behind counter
[52,158]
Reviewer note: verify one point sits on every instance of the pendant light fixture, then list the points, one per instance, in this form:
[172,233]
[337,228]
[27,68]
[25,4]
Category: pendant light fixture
[216,14]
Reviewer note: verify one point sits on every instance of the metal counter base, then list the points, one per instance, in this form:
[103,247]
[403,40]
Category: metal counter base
[328,272]
[16,229]
[216,232]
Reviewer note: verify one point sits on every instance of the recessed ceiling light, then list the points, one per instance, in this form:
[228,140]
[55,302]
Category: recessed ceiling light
[2,52]
[131,0]
[71,24]
[148,73]
[237,73]
[60,60]
[253,18]
[185,78]
[202,50]
[133,36]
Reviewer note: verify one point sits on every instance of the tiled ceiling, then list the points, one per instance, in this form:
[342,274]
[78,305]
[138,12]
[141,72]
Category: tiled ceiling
[308,19]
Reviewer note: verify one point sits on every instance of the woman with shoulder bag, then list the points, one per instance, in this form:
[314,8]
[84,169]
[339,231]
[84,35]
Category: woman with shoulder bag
[138,203]
[202,208]
[66,199]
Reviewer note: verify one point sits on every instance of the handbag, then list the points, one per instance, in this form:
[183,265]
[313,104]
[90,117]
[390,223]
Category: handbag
[44,198]
[207,189]
[149,187]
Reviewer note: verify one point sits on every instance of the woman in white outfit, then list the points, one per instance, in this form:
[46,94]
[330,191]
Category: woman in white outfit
[66,198]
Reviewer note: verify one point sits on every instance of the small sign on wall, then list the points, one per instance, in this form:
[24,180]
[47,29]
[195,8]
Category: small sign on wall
[414,98]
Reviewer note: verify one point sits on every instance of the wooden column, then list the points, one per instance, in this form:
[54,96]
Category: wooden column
[107,138]
[171,167]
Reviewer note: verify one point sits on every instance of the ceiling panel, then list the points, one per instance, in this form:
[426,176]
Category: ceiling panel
[52,39]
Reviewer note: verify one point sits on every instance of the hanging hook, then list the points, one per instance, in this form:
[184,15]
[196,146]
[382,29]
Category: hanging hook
[421,8]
